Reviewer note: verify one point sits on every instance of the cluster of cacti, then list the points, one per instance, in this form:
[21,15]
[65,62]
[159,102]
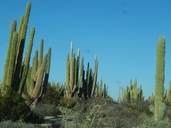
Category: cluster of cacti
[32,81]
[151,98]
[36,85]
[17,72]
[132,93]
[80,82]
[58,87]
[73,79]
[101,90]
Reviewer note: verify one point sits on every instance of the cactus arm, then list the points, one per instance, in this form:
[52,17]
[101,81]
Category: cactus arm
[94,76]
[38,84]
[25,66]
[12,30]
[41,52]
[12,60]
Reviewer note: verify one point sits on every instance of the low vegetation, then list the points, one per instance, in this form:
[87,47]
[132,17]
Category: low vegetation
[27,99]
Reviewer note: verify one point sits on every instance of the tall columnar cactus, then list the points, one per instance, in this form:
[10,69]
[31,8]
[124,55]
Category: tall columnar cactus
[101,90]
[37,79]
[40,75]
[72,73]
[95,73]
[6,66]
[25,65]
[17,72]
[80,82]
[159,87]
[13,69]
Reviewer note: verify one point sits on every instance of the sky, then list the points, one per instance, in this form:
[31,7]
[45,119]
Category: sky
[123,33]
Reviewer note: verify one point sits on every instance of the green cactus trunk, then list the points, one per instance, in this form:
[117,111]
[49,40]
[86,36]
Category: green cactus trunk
[18,75]
[6,66]
[159,87]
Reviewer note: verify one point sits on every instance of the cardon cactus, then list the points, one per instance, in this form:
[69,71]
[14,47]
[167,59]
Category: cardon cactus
[159,87]
[17,72]
[132,93]
[14,71]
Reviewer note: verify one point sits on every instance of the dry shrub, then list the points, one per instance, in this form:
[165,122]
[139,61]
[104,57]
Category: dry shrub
[67,102]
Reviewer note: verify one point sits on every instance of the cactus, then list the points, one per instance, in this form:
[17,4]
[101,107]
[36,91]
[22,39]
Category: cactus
[132,93]
[94,75]
[151,98]
[159,87]
[101,90]
[6,66]
[80,82]
[72,71]
[169,93]
[25,65]
[13,71]
[18,75]
[38,76]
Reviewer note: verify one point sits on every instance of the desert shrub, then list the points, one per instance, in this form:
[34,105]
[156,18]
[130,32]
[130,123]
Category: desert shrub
[46,110]
[151,123]
[141,106]
[135,113]
[168,114]
[102,112]
[18,124]
[67,102]
[52,96]
[89,113]
[107,113]
[34,117]
[13,107]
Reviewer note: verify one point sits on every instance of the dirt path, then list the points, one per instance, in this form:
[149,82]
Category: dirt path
[49,120]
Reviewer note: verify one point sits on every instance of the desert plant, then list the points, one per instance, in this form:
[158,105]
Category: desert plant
[13,106]
[16,69]
[67,102]
[77,82]
[150,123]
[54,93]
[18,124]
[132,93]
[46,110]
[159,88]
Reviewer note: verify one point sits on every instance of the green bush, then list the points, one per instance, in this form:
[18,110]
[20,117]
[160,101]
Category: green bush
[18,124]
[14,108]
[52,95]
[46,110]
[67,102]
[151,123]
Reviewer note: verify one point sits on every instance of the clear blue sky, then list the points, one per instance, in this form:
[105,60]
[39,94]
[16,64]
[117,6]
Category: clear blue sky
[123,33]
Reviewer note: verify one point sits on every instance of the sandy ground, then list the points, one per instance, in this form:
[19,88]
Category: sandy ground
[49,120]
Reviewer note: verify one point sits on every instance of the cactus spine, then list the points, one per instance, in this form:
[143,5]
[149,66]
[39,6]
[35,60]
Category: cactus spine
[159,87]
